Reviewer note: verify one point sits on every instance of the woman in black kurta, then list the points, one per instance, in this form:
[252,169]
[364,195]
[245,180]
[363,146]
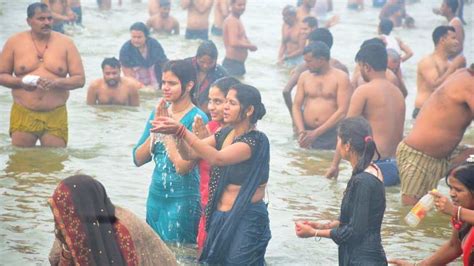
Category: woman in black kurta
[357,232]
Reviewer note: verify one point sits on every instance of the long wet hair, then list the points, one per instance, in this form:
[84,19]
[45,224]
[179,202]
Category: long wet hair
[357,132]
[184,71]
[249,96]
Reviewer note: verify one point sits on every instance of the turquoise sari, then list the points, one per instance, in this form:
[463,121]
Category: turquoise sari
[173,204]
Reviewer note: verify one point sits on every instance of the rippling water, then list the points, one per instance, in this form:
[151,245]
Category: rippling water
[101,138]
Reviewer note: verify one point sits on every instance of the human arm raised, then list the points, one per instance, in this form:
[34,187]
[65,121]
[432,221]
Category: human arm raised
[408,53]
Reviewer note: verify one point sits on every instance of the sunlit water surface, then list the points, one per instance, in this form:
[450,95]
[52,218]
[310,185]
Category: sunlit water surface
[101,138]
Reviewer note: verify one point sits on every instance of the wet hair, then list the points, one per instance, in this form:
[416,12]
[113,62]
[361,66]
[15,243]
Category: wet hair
[311,21]
[140,26]
[207,48]
[374,55]
[184,71]
[452,4]
[165,3]
[225,83]
[31,9]
[249,96]
[375,40]
[322,35]
[464,173]
[357,132]
[441,31]
[385,26]
[110,61]
[318,50]
[290,10]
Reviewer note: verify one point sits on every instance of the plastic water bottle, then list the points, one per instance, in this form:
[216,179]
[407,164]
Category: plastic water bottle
[418,212]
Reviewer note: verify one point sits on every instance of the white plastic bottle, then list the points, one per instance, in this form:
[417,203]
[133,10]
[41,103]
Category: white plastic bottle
[418,212]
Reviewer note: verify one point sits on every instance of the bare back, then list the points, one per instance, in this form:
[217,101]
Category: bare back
[60,59]
[444,117]
[430,68]
[383,105]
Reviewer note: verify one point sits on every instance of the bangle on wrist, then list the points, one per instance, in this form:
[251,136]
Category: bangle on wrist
[316,235]
[459,213]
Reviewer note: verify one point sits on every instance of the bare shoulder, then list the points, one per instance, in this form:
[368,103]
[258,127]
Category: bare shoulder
[426,61]
[16,38]
[96,83]
[305,75]
[131,83]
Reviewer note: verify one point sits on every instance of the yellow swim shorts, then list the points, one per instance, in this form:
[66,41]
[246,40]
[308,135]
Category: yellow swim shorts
[419,173]
[52,122]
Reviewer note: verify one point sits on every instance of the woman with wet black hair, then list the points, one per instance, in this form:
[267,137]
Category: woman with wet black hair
[238,226]
[357,232]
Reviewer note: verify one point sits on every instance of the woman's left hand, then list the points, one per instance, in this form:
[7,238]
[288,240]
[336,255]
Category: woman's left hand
[304,229]
[164,125]
[442,203]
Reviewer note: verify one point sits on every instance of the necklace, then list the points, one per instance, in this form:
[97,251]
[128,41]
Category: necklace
[40,55]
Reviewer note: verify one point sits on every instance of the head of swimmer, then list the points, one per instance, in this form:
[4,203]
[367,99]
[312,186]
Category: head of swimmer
[316,56]
[217,97]
[178,81]
[461,184]
[111,71]
[444,38]
[139,33]
[206,56]
[289,15]
[309,25]
[237,7]
[243,106]
[449,7]
[165,7]
[371,58]
[39,18]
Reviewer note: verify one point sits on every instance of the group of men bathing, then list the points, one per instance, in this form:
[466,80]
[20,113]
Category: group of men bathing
[324,96]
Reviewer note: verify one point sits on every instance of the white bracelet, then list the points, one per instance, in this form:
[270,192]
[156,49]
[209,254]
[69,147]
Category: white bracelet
[316,238]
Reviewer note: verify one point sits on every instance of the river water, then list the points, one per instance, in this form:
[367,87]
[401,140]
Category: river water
[101,138]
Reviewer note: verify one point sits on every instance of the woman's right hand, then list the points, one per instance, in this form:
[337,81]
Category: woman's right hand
[442,203]
[164,125]
[199,129]
[332,172]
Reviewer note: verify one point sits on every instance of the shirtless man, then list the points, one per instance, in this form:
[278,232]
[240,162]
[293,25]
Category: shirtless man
[61,12]
[383,105]
[435,68]
[154,7]
[221,11]
[448,10]
[321,100]
[357,79]
[384,29]
[236,42]
[423,156]
[198,18]
[291,47]
[106,4]
[41,67]
[325,36]
[163,22]
[304,10]
[113,89]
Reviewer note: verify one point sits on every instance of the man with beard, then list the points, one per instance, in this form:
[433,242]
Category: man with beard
[162,22]
[383,105]
[435,68]
[113,89]
[321,100]
[40,67]
[236,42]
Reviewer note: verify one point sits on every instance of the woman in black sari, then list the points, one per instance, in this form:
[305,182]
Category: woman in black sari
[357,232]
[237,218]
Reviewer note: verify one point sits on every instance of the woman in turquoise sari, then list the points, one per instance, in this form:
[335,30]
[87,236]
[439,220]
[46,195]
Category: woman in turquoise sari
[173,205]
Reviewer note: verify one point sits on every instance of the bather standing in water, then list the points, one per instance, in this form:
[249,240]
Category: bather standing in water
[357,231]
[221,11]
[173,204]
[236,42]
[292,44]
[142,57]
[197,26]
[321,100]
[237,218]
